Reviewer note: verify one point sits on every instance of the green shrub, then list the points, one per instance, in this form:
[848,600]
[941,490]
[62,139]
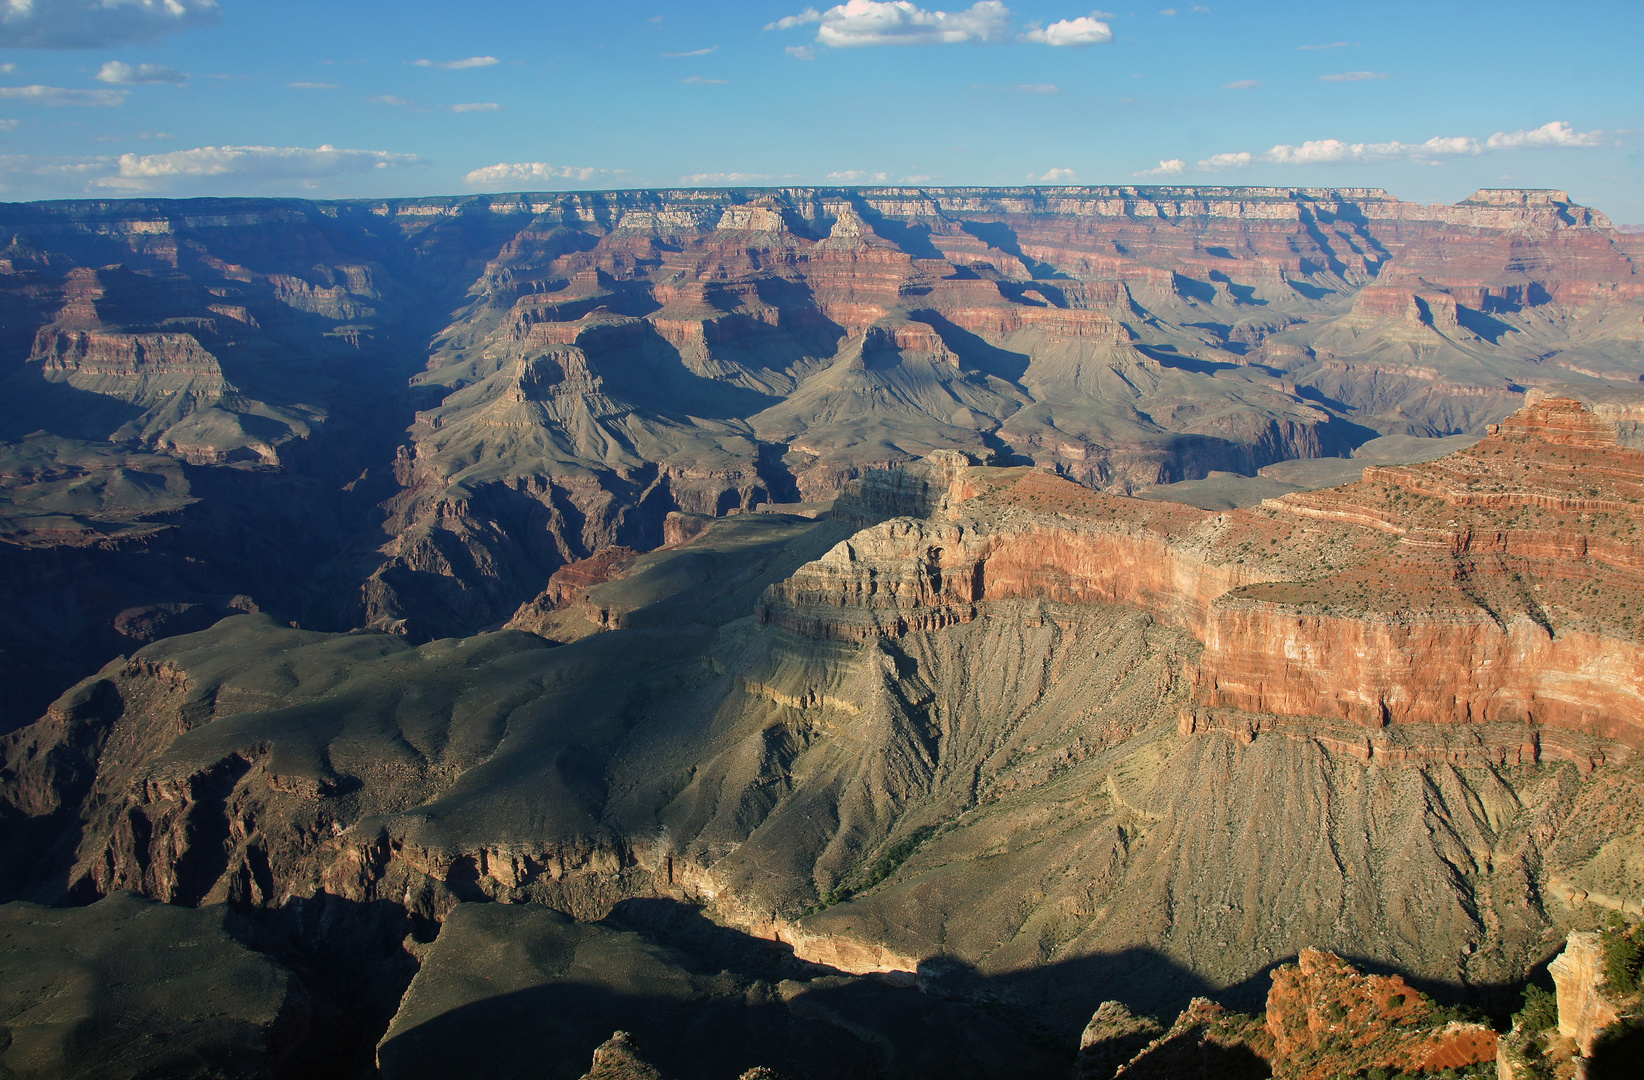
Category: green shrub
[1622,958]
[1540,1011]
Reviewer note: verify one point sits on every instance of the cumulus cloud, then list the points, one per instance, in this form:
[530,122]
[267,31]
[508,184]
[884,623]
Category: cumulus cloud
[1242,84]
[57,95]
[1085,30]
[1557,133]
[856,176]
[1332,151]
[143,172]
[459,65]
[504,174]
[809,15]
[98,24]
[1353,76]
[900,22]
[1218,162]
[801,52]
[1054,176]
[716,179]
[1172,167]
[119,73]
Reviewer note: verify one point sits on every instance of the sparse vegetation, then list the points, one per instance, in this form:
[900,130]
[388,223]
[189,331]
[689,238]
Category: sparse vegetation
[1623,954]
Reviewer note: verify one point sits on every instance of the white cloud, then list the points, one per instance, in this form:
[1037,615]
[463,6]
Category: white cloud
[1332,151]
[716,179]
[809,15]
[525,172]
[1242,84]
[801,52]
[312,85]
[8,125]
[473,106]
[1167,11]
[98,24]
[56,95]
[1085,30]
[856,176]
[697,80]
[1218,162]
[900,22]
[1173,167]
[122,74]
[1054,176]
[7,69]
[1557,133]
[387,99]
[693,52]
[147,172]
[1353,76]
[459,65]
[1316,152]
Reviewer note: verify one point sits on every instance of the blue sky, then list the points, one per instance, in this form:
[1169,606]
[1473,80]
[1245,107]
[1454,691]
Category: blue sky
[366,97]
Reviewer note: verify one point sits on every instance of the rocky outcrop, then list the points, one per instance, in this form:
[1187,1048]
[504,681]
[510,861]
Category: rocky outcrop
[1112,1038]
[617,1058]
[1329,1019]
[1584,1008]
[1324,1019]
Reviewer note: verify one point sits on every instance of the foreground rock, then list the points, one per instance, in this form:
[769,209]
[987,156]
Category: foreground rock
[1325,1019]
[129,988]
[1592,1027]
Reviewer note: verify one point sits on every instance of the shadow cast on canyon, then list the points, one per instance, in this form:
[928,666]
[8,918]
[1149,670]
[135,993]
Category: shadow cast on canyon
[736,1002]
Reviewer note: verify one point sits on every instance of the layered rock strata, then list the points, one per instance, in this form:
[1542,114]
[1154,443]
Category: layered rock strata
[1486,588]
[581,365]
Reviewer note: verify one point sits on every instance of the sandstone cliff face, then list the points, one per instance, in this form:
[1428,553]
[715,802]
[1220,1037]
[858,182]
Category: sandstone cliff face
[1479,588]
[1584,1009]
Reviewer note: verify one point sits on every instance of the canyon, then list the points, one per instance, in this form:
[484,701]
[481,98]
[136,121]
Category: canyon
[846,632]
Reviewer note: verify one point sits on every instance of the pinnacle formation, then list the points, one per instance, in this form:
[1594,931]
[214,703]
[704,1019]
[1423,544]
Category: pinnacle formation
[819,632]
